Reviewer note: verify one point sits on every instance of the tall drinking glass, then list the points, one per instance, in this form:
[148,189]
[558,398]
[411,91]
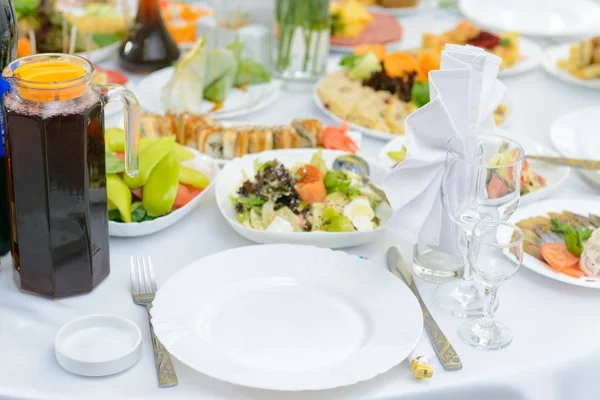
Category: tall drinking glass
[496,253]
[481,182]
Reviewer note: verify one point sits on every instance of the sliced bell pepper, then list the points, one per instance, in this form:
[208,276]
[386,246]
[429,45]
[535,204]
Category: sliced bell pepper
[161,188]
[119,196]
[150,156]
[192,177]
[114,139]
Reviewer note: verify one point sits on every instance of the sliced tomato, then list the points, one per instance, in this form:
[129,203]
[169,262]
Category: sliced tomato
[194,191]
[575,272]
[116,77]
[120,155]
[183,196]
[497,187]
[311,192]
[559,257]
[309,173]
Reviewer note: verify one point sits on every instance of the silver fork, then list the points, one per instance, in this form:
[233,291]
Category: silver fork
[143,288]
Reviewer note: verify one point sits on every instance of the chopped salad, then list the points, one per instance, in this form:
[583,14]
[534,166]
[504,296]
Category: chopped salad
[307,198]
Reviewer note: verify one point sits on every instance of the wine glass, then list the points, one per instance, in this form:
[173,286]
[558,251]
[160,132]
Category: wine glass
[496,253]
[481,182]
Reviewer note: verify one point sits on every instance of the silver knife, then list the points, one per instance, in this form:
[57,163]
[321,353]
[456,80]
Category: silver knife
[441,345]
[569,162]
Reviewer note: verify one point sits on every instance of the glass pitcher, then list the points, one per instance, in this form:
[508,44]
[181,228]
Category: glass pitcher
[56,171]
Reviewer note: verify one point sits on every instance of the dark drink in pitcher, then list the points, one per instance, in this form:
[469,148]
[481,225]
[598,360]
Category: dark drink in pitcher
[56,170]
[8,52]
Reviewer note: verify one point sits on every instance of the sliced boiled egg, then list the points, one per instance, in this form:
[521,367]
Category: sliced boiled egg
[280,225]
[360,213]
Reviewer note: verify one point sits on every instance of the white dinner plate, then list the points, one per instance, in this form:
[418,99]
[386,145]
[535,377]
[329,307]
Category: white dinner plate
[541,208]
[381,135]
[237,102]
[354,135]
[551,57]
[350,49]
[550,18]
[575,135]
[287,317]
[202,163]
[554,175]
[531,56]
[235,172]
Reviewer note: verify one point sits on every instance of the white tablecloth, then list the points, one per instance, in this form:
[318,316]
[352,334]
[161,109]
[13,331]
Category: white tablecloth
[555,354]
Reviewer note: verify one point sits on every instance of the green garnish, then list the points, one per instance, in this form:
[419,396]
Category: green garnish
[336,181]
[420,94]
[505,42]
[574,237]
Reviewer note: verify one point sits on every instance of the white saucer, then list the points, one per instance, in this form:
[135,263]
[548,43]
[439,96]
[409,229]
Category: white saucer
[98,345]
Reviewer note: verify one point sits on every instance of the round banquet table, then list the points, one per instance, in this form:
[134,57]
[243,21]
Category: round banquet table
[556,349]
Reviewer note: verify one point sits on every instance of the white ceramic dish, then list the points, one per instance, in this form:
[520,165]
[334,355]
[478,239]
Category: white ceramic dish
[551,57]
[232,176]
[531,58]
[581,207]
[237,102]
[98,345]
[202,163]
[549,18]
[287,317]
[575,135]
[555,176]
[390,136]
[356,136]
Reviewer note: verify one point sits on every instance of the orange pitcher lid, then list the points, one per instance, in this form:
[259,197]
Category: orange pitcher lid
[52,80]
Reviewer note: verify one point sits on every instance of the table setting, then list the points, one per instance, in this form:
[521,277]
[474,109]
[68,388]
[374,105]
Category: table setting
[288,204]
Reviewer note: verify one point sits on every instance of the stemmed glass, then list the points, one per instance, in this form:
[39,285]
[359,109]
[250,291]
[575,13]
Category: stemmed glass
[481,182]
[496,253]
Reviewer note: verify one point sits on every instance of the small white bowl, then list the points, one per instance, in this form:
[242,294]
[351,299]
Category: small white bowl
[98,345]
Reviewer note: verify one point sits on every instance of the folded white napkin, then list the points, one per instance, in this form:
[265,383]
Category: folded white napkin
[464,93]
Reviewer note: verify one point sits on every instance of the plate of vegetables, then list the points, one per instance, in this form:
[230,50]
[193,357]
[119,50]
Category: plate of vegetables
[293,196]
[562,240]
[172,179]
[538,179]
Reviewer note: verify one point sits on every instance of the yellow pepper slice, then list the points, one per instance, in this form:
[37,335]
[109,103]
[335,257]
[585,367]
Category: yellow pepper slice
[193,177]
[161,188]
[150,156]
[119,195]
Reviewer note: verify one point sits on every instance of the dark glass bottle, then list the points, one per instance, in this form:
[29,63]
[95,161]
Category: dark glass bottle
[8,52]
[148,46]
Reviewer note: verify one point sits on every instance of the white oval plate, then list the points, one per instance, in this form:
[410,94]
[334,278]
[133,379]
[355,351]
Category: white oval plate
[354,135]
[575,135]
[287,317]
[550,18]
[202,163]
[101,54]
[531,57]
[237,102]
[581,207]
[232,175]
[551,57]
[554,175]
[386,135]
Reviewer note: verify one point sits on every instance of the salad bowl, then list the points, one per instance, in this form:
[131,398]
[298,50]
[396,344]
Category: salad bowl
[201,163]
[241,169]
